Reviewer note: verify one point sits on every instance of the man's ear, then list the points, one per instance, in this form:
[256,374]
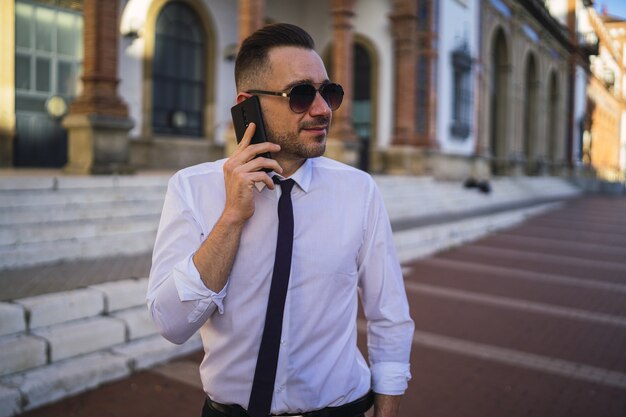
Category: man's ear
[242,96]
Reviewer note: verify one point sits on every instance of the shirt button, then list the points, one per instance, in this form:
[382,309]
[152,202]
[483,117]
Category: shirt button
[283,342]
[281,388]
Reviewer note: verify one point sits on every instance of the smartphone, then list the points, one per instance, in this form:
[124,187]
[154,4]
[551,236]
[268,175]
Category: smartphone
[243,114]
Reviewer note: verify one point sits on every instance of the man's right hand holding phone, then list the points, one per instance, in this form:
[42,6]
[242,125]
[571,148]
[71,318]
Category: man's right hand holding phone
[242,170]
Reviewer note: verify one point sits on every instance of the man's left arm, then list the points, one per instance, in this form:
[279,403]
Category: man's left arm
[386,405]
[389,325]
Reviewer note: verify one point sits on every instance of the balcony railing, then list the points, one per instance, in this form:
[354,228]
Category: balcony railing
[589,43]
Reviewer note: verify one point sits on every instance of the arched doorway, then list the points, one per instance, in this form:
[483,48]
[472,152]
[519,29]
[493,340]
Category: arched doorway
[498,97]
[553,105]
[364,75]
[178,91]
[363,104]
[531,88]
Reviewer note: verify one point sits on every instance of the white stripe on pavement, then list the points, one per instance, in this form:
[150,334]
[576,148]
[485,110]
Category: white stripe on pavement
[515,304]
[522,359]
[517,358]
[504,272]
[542,257]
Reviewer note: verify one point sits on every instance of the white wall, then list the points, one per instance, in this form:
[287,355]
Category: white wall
[580,110]
[130,68]
[224,15]
[558,9]
[372,22]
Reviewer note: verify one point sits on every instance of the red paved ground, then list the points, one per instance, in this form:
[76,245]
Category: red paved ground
[562,259]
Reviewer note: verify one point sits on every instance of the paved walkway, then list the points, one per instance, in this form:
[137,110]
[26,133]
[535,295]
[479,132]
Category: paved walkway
[526,322]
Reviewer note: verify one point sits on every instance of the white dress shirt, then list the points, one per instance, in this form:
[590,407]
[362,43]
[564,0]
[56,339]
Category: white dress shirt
[342,248]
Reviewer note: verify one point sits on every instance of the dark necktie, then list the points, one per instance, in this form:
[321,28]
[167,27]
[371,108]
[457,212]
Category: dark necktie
[265,372]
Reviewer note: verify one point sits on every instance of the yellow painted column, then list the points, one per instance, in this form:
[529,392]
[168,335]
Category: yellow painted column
[7,81]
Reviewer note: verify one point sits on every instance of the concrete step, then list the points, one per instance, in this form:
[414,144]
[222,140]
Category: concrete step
[11,181]
[56,345]
[416,197]
[45,198]
[31,254]
[105,210]
[17,235]
[66,218]
[51,219]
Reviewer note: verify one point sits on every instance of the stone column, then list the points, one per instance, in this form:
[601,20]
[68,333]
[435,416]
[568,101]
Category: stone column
[571,82]
[98,121]
[342,12]
[403,157]
[404,26]
[251,17]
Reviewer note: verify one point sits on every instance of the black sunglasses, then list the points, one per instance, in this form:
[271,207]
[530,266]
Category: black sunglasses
[301,96]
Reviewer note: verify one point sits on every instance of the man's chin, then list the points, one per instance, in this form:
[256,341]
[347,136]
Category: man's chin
[316,151]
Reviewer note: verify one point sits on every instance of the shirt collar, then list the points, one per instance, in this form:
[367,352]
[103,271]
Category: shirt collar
[302,176]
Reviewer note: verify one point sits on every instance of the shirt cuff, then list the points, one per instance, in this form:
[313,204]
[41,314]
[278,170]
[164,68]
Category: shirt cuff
[390,378]
[191,288]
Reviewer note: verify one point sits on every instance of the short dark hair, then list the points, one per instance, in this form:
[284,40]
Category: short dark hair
[252,55]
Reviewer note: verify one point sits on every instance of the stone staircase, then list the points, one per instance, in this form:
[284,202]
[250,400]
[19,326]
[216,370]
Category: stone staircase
[59,344]
[56,345]
[44,220]
[429,215]
[63,218]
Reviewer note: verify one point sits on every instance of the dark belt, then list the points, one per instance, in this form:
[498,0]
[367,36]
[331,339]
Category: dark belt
[354,408]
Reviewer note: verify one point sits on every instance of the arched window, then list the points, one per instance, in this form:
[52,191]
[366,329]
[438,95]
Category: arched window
[178,72]
[461,92]
[531,89]
[362,102]
[553,111]
[499,94]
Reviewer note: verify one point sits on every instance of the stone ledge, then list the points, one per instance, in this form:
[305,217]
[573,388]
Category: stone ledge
[137,321]
[20,352]
[36,387]
[121,295]
[53,382]
[82,337]
[12,319]
[154,350]
[417,243]
[35,254]
[49,309]
[10,401]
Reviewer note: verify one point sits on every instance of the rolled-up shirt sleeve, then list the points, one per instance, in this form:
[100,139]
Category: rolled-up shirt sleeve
[389,325]
[178,300]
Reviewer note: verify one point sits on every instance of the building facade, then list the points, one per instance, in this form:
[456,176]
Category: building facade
[450,88]
[528,88]
[604,148]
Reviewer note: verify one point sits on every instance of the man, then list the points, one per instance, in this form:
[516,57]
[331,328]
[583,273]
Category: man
[216,256]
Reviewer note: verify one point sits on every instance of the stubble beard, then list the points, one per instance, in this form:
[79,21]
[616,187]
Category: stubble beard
[290,143]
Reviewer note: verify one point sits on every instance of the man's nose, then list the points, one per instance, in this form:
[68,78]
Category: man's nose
[319,106]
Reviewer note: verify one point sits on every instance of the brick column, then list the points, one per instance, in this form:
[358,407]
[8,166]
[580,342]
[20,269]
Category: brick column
[251,17]
[403,157]
[98,120]
[342,12]
[404,26]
